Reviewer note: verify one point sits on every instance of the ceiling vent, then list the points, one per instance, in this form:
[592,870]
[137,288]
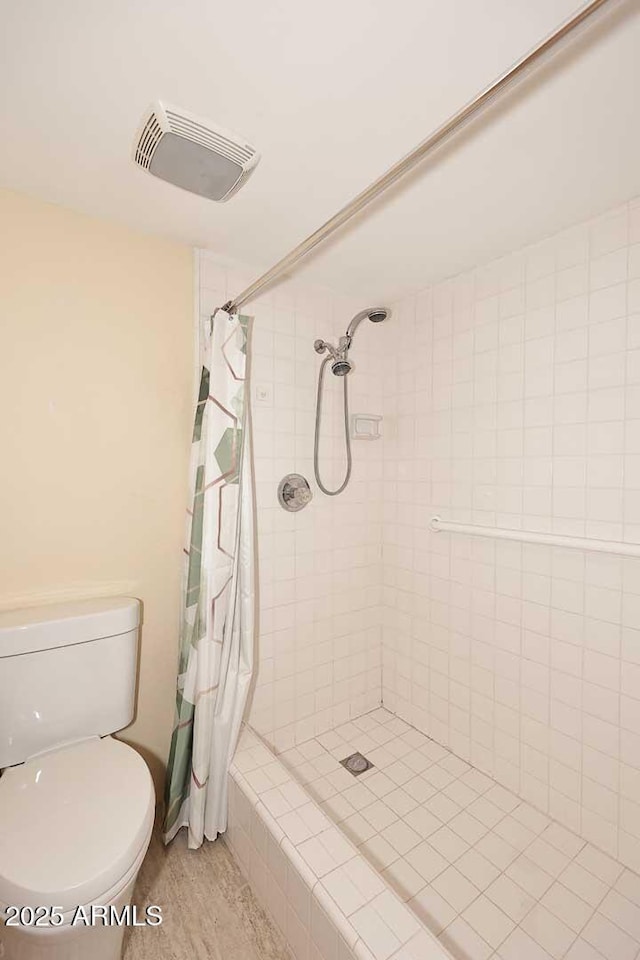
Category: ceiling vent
[193,153]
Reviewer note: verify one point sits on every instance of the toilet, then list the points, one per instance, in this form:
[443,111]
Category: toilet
[76,805]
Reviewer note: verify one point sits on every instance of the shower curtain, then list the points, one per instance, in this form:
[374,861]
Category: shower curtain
[218,594]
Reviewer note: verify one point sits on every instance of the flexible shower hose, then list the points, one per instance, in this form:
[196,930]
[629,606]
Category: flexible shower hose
[347,439]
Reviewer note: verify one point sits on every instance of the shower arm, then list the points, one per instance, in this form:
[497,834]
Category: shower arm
[412,159]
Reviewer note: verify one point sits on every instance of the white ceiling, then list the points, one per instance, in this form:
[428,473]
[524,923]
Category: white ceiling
[331,93]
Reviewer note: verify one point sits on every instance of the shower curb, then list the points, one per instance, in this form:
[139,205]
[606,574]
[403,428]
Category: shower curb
[293,856]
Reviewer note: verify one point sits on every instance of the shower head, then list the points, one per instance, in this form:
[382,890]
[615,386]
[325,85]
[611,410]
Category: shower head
[341,364]
[375,314]
[341,367]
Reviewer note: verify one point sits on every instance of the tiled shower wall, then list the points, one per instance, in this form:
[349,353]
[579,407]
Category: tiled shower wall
[512,398]
[319,647]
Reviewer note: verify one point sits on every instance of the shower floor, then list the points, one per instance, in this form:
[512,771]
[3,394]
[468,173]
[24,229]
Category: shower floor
[490,876]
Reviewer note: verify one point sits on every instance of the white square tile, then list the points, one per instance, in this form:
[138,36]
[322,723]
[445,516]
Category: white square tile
[477,780]
[609,939]
[297,935]
[293,794]
[399,773]
[520,946]
[568,906]
[380,784]
[510,897]
[530,818]
[433,910]
[624,913]
[599,864]
[357,828]
[460,793]
[549,931]
[419,789]
[323,931]
[514,833]
[326,851]
[295,828]
[561,838]
[467,827]
[400,920]
[502,798]
[375,933]
[419,947]
[338,808]
[346,895]
[422,821]
[442,807]
[401,837]
[628,884]
[581,950]
[463,941]
[379,815]
[317,857]
[438,776]
[489,921]
[299,894]
[363,877]
[359,796]
[427,861]
[400,802]
[583,884]
[406,881]
[380,852]
[529,876]
[417,761]
[486,812]
[455,888]
[547,857]
[496,850]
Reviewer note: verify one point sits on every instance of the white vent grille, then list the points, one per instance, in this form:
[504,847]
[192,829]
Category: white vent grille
[193,153]
[187,127]
[151,133]
[244,176]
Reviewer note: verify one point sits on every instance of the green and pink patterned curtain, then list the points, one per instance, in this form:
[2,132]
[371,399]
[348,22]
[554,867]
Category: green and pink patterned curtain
[217,631]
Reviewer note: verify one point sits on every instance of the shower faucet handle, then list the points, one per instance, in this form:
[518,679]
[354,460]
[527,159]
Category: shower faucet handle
[294,492]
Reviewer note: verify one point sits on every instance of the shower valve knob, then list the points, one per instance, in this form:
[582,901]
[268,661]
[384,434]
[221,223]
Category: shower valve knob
[294,493]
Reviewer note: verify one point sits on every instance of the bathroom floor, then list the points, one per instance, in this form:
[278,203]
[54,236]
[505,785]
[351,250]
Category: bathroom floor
[209,910]
[486,872]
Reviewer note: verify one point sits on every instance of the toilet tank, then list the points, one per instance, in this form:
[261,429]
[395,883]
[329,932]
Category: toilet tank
[67,672]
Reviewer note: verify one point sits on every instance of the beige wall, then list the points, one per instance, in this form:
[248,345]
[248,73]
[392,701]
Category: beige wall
[96,353]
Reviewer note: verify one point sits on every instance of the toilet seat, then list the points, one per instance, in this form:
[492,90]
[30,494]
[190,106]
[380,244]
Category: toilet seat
[73,823]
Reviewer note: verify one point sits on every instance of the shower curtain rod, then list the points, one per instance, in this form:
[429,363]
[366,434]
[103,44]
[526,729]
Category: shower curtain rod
[413,158]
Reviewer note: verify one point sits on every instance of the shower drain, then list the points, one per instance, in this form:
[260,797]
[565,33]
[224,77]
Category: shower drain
[356,764]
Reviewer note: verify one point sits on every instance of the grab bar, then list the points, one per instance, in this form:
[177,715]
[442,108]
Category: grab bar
[547,539]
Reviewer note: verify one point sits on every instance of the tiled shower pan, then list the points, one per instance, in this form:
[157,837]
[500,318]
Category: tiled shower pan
[419,857]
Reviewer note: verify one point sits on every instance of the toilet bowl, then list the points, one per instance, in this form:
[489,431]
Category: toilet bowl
[76,805]
[75,824]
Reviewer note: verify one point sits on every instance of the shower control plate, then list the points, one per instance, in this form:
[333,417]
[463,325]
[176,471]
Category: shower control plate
[294,492]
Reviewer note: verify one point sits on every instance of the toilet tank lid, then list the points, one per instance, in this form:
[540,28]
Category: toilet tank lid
[61,624]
